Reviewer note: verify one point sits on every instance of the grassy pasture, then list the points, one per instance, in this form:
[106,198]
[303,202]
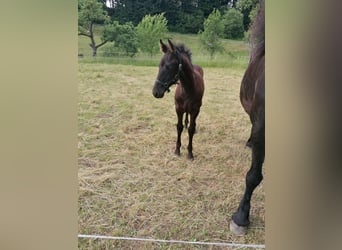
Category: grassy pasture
[235,52]
[130,182]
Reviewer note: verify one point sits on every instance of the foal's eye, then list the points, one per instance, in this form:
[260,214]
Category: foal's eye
[169,66]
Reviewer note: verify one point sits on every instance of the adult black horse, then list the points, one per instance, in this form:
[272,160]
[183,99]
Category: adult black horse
[252,97]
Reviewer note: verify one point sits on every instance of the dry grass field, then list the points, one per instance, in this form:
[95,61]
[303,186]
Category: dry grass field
[131,183]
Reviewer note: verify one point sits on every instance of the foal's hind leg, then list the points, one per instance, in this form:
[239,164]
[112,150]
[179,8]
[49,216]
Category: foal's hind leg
[186,121]
[179,131]
[191,131]
[240,219]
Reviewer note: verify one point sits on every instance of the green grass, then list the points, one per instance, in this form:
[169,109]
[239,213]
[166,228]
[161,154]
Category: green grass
[131,183]
[235,53]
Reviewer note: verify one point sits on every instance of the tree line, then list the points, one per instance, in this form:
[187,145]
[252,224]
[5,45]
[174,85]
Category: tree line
[184,16]
[125,22]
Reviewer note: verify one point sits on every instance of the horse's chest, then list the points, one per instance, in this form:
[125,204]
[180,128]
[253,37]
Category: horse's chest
[186,103]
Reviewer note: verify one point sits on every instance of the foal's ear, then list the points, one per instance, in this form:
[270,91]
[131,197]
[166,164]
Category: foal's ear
[163,47]
[171,46]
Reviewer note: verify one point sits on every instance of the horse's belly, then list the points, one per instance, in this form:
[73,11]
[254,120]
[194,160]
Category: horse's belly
[247,105]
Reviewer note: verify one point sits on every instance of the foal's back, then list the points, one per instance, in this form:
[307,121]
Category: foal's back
[198,69]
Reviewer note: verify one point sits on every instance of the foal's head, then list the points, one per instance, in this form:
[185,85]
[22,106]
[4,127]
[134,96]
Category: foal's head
[170,68]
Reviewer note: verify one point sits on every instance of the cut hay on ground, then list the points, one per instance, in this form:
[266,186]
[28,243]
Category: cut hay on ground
[130,182]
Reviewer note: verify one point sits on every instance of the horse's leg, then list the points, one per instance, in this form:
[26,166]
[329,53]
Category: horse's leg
[191,131]
[179,131]
[240,219]
[249,143]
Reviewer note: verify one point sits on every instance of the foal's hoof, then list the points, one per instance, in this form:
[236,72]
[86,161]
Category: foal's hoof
[236,229]
[177,152]
[190,157]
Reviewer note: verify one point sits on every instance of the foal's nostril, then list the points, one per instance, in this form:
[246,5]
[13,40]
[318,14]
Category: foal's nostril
[157,94]
[157,91]
[154,94]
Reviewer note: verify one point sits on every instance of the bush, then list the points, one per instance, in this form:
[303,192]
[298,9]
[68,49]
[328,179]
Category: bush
[150,30]
[233,24]
[124,37]
[213,31]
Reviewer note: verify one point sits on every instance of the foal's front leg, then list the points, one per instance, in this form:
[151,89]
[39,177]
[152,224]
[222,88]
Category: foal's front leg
[179,131]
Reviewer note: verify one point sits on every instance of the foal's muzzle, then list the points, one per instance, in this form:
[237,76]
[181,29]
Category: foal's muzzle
[158,89]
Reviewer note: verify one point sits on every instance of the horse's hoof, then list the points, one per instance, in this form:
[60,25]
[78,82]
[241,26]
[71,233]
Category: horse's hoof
[190,157]
[237,230]
[177,152]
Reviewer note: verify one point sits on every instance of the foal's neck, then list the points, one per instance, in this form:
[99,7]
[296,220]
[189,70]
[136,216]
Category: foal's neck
[186,76]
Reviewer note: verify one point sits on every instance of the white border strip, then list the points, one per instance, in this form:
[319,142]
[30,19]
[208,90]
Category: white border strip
[223,244]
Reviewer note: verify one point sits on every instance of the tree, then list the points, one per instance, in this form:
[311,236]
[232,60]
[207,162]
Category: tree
[245,7]
[253,13]
[190,22]
[182,15]
[213,31]
[233,24]
[171,8]
[134,10]
[124,37]
[150,30]
[90,13]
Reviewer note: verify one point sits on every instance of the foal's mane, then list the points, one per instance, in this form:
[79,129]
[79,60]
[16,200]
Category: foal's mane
[181,48]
